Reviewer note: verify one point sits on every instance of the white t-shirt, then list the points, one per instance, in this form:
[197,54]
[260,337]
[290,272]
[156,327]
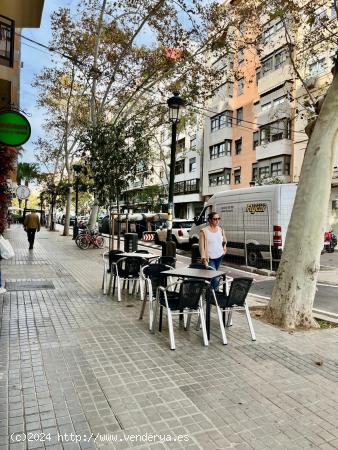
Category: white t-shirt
[215,247]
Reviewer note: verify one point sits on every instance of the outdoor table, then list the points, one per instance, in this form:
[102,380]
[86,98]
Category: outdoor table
[138,255]
[202,274]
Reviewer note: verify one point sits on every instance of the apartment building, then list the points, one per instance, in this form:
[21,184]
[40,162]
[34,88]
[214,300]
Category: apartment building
[254,127]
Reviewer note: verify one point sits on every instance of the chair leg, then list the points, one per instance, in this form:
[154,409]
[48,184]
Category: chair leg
[187,320]
[171,330]
[248,318]
[118,289]
[104,281]
[220,314]
[110,283]
[143,308]
[160,319]
[229,318]
[204,328]
[153,324]
[114,277]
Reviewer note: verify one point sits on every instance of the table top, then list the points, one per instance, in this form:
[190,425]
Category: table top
[138,255]
[193,273]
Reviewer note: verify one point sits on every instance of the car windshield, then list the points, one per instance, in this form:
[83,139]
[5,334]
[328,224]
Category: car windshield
[183,224]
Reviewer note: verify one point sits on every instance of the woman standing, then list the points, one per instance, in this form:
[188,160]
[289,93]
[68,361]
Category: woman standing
[212,244]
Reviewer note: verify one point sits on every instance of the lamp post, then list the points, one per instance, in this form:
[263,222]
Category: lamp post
[77,169]
[176,104]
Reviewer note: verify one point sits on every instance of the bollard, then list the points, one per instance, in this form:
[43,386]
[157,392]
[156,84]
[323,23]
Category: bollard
[168,248]
[130,242]
[195,254]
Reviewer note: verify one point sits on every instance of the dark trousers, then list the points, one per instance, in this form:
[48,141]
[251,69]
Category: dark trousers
[31,236]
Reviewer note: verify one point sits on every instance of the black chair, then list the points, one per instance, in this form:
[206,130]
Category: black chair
[142,251]
[188,300]
[126,269]
[236,299]
[152,278]
[168,260]
[108,259]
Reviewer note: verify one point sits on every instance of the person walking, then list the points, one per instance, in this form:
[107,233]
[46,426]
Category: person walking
[212,244]
[31,225]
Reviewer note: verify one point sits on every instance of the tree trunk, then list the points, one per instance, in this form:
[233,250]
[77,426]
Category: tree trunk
[294,291]
[93,215]
[67,216]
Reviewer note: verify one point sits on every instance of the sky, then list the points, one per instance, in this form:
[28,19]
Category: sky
[34,58]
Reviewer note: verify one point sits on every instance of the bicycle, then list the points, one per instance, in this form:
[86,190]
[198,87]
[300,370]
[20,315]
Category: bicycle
[85,240]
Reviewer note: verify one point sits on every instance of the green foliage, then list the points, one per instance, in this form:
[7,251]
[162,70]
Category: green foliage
[114,153]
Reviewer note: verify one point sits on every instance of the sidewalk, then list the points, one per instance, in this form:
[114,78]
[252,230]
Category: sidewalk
[78,366]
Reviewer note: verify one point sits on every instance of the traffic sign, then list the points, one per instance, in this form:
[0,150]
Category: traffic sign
[148,236]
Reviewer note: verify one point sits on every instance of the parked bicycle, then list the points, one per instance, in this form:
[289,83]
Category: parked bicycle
[89,237]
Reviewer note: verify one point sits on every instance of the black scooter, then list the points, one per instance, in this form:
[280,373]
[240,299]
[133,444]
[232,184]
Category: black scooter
[330,242]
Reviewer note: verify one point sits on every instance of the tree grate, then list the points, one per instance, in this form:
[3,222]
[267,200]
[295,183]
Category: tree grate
[28,285]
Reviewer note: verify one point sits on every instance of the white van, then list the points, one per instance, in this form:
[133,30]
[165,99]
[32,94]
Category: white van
[254,218]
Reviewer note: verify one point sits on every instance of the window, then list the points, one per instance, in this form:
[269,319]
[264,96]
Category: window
[192,164]
[193,142]
[287,165]
[221,121]
[280,59]
[267,32]
[254,176]
[240,55]
[276,169]
[239,116]
[255,139]
[179,167]
[238,146]
[266,106]
[237,176]
[317,67]
[161,174]
[191,185]
[278,26]
[279,100]
[229,89]
[267,64]
[180,145]
[240,86]
[219,178]
[258,75]
[6,41]
[162,136]
[333,12]
[179,187]
[222,149]
[275,131]
[264,172]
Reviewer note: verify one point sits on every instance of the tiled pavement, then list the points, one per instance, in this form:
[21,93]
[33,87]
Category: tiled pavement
[76,365]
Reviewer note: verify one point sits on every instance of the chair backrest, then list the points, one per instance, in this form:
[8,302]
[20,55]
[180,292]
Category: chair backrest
[130,267]
[114,256]
[142,251]
[168,260]
[238,291]
[199,266]
[190,293]
[153,272]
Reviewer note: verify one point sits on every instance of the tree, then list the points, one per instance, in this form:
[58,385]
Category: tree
[307,32]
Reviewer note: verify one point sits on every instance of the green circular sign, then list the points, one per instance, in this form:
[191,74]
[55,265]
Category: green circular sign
[15,129]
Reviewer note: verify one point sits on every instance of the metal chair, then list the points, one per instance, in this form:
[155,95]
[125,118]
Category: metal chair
[236,299]
[126,269]
[188,300]
[108,258]
[152,277]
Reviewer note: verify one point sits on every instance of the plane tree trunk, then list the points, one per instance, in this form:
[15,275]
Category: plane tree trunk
[294,291]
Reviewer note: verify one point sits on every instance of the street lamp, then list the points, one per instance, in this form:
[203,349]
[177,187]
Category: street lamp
[77,169]
[176,105]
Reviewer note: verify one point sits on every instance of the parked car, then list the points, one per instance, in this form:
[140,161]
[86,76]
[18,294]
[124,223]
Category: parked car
[103,224]
[180,231]
[71,220]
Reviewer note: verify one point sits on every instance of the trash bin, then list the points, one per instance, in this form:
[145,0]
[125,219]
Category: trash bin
[168,248]
[130,242]
[195,254]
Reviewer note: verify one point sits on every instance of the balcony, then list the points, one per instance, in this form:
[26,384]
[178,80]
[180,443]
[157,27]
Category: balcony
[187,187]
[274,78]
[276,148]
[26,14]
